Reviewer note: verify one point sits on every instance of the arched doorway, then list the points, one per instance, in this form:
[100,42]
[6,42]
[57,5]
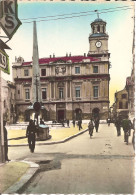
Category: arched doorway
[78,114]
[95,113]
[61,114]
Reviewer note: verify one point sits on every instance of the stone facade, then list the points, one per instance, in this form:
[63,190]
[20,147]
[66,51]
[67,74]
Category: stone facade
[121,103]
[71,86]
[8,101]
[130,83]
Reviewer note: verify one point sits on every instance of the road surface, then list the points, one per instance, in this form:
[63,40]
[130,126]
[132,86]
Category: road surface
[103,164]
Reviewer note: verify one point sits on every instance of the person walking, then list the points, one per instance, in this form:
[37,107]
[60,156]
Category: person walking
[126,125]
[118,126]
[108,121]
[79,124]
[91,127]
[5,141]
[67,122]
[41,121]
[133,137]
[96,122]
[74,122]
[30,133]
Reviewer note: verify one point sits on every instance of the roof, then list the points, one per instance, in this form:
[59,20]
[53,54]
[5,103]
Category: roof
[64,59]
[98,35]
[98,20]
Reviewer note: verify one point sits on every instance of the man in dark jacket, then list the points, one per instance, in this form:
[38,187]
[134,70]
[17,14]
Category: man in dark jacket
[118,126]
[79,124]
[96,121]
[126,125]
[30,133]
[74,122]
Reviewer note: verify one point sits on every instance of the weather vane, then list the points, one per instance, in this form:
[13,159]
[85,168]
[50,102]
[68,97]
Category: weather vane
[97,13]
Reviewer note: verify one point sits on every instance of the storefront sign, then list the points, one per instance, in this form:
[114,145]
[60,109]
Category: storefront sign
[9,20]
[4,62]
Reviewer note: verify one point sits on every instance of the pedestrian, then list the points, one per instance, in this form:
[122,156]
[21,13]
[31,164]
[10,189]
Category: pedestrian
[91,127]
[118,126]
[96,121]
[74,122]
[62,122]
[126,125]
[5,140]
[41,121]
[133,139]
[79,124]
[68,122]
[30,133]
[108,121]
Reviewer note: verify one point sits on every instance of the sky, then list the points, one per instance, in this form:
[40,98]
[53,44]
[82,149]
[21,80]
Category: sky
[71,35]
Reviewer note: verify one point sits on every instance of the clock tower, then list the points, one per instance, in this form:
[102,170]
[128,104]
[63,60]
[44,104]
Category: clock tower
[98,39]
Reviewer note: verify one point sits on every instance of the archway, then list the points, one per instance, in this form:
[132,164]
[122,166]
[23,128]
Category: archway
[95,113]
[78,114]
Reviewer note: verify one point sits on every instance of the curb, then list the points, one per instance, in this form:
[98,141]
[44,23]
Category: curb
[19,185]
[54,142]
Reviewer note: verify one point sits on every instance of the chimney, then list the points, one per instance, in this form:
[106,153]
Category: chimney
[84,54]
[50,56]
[53,55]
[66,54]
[70,55]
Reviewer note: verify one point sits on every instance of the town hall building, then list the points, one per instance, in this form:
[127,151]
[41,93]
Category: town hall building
[72,87]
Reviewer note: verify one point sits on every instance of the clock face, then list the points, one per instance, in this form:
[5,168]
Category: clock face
[98,44]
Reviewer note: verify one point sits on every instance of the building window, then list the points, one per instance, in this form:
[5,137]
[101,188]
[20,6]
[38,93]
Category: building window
[120,105]
[124,96]
[18,91]
[60,93]
[44,94]
[27,94]
[126,105]
[95,69]
[43,72]
[77,70]
[98,28]
[12,109]
[26,72]
[95,91]
[77,92]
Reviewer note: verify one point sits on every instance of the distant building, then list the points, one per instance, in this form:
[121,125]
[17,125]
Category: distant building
[130,83]
[71,86]
[8,99]
[121,103]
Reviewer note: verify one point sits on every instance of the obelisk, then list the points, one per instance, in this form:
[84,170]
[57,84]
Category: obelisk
[36,87]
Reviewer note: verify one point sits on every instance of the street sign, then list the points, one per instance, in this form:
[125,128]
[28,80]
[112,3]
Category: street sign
[4,62]
[9,20]
[4,59]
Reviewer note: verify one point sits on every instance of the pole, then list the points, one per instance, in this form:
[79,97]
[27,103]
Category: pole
[36,83]
[2,152]
[36,88]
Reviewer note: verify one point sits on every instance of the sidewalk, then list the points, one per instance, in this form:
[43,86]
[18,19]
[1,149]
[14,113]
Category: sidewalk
[15,175]
[17,137]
